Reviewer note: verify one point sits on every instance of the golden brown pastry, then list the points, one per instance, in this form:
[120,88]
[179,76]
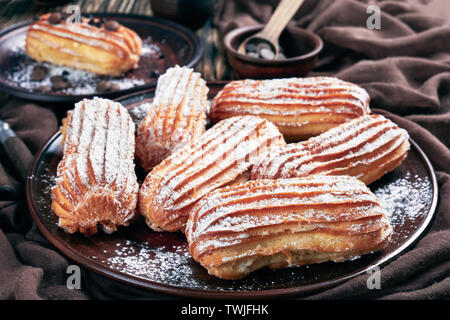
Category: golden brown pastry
[299,107]
[177,116]
[287,222]
[96,183]
[220,157]
[88,45]
[366,148]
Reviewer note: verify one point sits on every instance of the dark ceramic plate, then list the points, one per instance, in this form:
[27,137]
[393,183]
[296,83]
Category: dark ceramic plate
[160,261]
[165,44]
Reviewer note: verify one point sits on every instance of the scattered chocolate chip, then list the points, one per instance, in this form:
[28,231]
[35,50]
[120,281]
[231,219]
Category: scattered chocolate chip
[102,86]
[267,54]
[251,47]
[65,73]
[38,73]
[44,88]
[114,87]
[106,86]
[55,18]
[59,83]
[111,25]
[155,73]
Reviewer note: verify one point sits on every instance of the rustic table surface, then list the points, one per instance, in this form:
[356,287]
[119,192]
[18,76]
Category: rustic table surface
[213,66]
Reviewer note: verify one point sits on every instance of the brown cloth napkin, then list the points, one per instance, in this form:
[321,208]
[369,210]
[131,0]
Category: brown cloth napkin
[30,268]
[405,67]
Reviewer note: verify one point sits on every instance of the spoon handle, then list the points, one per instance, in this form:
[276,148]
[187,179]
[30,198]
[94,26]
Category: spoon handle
[280,18]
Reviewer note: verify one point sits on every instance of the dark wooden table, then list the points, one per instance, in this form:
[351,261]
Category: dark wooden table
[213,66]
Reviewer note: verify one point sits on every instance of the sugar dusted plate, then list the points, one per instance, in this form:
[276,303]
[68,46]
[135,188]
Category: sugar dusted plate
[160,261]
[165,44]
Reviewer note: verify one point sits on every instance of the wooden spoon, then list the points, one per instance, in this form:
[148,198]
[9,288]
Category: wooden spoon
[271,32]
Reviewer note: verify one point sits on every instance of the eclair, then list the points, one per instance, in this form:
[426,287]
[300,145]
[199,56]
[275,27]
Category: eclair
[299,107]
[176,117]
[238,229]
[101,47]
[366,148]
[95,182]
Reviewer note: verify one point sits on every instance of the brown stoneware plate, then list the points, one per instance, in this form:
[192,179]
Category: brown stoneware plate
[160,261]
[165,44]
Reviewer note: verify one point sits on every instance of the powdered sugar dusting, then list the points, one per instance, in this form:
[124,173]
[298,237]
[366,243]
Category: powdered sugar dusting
[173,266]
[165,264]
[82,82]
[405,199]
[149,47]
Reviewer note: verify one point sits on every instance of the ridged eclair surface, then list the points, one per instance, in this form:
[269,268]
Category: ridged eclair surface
[221,156]
[299,107]
[177,116]
[84,46]
[366,148]
[96,183]
[237,229]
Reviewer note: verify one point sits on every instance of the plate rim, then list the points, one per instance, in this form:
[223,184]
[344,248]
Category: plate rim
[198,49]
[95,266]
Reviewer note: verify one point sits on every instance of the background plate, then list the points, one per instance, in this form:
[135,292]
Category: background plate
[160,261]
[165,44]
